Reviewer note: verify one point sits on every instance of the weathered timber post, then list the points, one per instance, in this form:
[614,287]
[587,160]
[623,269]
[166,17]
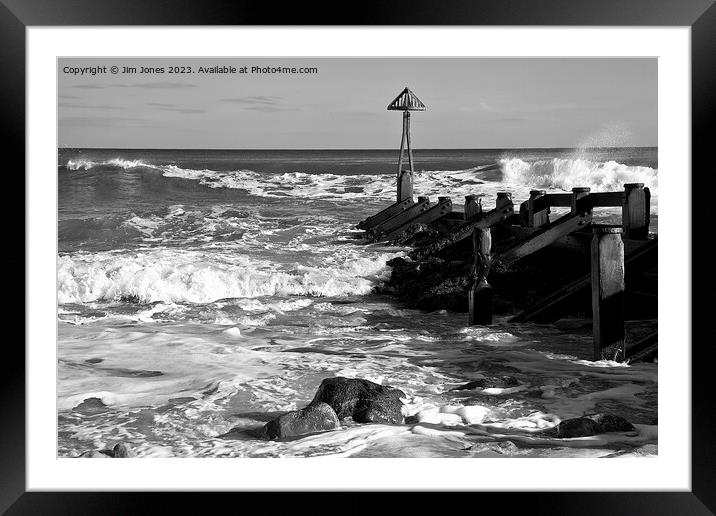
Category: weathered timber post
[607,255]
[536,216]
[473,206]
[636,211]
[503,199]
[480,296]
[405,102]
[405,185]
[578,193]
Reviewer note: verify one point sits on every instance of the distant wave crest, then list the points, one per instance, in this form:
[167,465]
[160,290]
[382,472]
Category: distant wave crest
[508,172]
[565,174]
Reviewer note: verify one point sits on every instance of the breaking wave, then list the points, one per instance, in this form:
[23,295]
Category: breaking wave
[556,173]
[203,277]
[85,164]
[564,174]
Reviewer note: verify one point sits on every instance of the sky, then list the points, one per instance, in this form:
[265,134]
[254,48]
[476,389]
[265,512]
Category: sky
[471,103]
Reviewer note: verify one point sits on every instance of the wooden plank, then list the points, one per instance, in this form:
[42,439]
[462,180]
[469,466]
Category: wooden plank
[537,215]
[563,200]
[401,218]
[442,208]
[608,294]
[597,199]
[546,309]
[480,295]
[473,206]
[545,236]
[460,233]
[580,200]
[636,210]
[385,214]
[607,199]
[405,185]
[643,347]
[547,305]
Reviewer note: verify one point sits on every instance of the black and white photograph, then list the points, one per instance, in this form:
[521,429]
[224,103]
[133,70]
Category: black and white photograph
[357,257]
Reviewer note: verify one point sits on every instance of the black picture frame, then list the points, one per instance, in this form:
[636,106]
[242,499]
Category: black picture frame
[17,15]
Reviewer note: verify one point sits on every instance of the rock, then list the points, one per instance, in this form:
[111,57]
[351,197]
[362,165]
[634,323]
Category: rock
[590,425]
[90,406]
[318,417]
[362,400]
[611,423]
[501,382]
[385,408]
[96,454]
[577,427]
[122,451]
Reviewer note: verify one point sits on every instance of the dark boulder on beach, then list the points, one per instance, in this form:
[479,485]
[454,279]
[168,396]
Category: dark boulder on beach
[90,406]
[318,417]
[590,425]
[362,400]
[611,423]
[120,451]
[501,382]
[96,454]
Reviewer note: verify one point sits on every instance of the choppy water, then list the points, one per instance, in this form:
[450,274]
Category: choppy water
[201,291]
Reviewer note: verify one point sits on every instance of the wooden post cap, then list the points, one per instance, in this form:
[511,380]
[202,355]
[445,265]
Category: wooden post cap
[444,199]
[607,230]
[473,197]
[629,186]
[423,199]
[534,193]
[581,189]
[504,195]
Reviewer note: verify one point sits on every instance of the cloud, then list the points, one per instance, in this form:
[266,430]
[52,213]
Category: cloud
[255,99]
[85,121]
[176,108]
[81,106]
[150,85]
[262,103]
[270,109]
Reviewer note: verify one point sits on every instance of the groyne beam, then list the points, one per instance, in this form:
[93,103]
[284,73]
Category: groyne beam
[481,294]
[385,214]
[549,308]
[533,213]
[431,214]
[401,217]
[475,218]
[579,216]
[607,259]
[636,210]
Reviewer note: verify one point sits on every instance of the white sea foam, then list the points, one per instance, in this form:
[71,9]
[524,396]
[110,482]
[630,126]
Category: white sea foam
[564,174]
[201,277]
[511,172]
[85,164]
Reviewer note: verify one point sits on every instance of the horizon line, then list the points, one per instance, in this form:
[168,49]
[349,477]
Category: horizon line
[356,148]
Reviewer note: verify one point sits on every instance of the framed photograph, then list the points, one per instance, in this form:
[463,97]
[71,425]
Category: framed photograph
[259,247]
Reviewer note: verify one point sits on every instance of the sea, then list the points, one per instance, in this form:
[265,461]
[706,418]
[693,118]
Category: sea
[201,293]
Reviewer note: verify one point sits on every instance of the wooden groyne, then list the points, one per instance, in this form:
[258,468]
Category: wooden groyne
[621,259]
